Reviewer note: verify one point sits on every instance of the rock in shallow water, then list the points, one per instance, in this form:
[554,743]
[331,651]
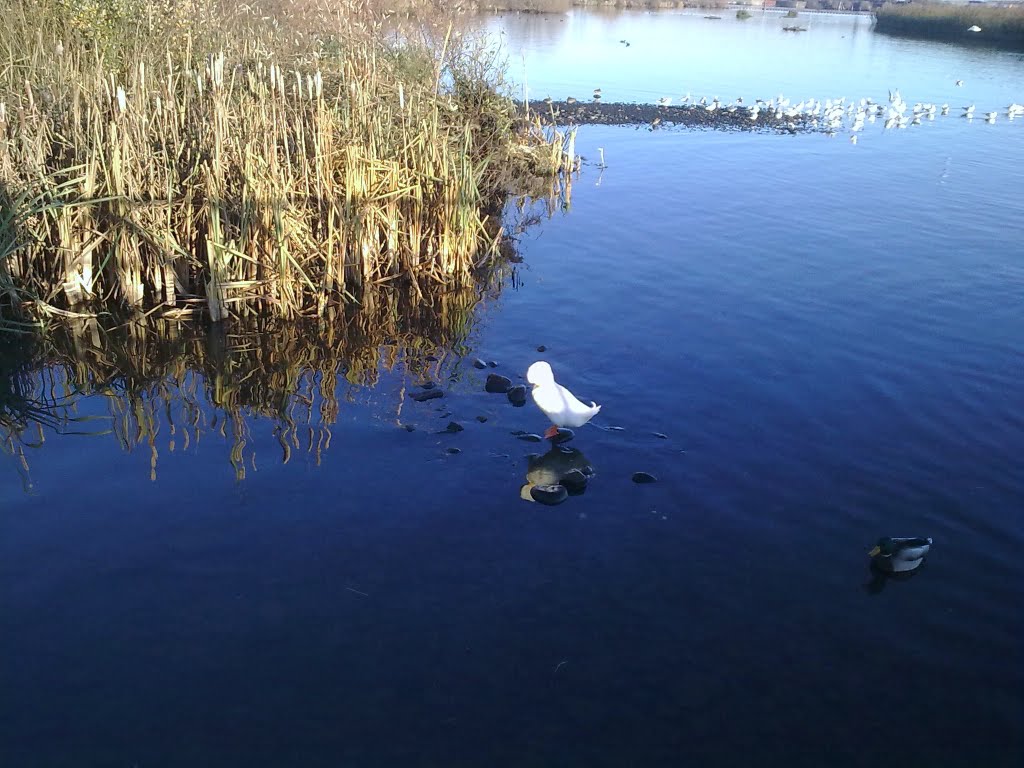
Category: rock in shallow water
[478,363]
[481,419]
[453,451]
[549,494]
[429,394]
[497,384]
[454,426]
[517,396]
[644,477]
[575,481]
[563,435]
[530,438]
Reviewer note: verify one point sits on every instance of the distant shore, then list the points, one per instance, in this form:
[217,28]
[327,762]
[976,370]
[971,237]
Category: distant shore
[954,23]
[654,115]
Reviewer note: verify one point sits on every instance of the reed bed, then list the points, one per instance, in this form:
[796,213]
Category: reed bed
[946,21]
[266,160]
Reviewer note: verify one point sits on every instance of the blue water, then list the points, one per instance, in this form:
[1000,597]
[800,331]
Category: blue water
[831,337]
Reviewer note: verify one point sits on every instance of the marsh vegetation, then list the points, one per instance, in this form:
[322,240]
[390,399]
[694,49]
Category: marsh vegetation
[269,159]
[946,21]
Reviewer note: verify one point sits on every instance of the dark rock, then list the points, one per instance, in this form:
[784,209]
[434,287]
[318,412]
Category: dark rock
[409,427]
[542,348]
[518,432]
[492,363]
[431,358]
[575,481]
[454,426]
[478,363]
[685,115]
[453,451]
[428,385]
[481,419]
[430,394]
[549,494]
[517,395]
[530,438]
[497,384]
[644,477]
[563,435]
[660,435]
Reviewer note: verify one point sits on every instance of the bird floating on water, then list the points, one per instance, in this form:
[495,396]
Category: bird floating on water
[559,404]
[899,555]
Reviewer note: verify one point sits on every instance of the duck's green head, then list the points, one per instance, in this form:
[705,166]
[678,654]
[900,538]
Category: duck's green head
[886,547]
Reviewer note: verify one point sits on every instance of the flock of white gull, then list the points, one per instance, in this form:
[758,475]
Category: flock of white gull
[833,115]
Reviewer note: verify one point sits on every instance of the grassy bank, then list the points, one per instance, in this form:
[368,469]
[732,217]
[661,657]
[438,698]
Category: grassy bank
[944,21]
[273,158]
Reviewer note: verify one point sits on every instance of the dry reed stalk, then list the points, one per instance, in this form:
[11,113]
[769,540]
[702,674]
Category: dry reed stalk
[246,183]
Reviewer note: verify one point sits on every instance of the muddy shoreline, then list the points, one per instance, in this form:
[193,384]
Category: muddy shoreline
[725,117]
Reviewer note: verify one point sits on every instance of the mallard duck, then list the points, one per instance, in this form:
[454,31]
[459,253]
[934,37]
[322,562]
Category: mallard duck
[898,555]
[558,403]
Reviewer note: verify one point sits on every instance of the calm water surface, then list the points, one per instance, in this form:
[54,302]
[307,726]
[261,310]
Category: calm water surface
[831,337]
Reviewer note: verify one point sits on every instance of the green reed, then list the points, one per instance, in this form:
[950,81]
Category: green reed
[951,22]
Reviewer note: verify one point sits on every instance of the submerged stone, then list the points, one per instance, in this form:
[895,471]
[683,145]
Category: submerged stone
[478,363]
[428,385]
[481,419]
[454,426]
[644,477]
[497,384]
[409,427]
[529,437]
[453,451]
[429,394]
[549,494]
[517,395]
[575,481]
[492,363]
[542,348]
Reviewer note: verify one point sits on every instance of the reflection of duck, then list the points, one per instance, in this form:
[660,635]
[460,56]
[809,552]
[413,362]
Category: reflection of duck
[558,403]
[880,578]
[552,468]
[899,555]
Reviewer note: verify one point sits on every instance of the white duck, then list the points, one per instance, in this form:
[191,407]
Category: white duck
[558,403]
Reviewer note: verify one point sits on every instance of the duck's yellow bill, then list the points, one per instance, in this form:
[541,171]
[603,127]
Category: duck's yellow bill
[874,551]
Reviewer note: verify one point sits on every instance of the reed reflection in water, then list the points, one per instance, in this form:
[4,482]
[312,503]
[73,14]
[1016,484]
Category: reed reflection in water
[166,384]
